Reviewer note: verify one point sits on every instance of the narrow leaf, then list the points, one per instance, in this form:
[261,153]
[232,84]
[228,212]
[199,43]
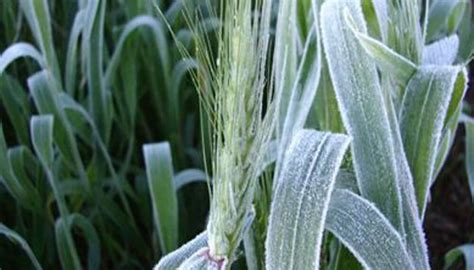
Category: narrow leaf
[90,235]
[469,124]
[42,133]
[72,51]
[387,59]
[39,20]
[159,169]
[42,138]
[14,237]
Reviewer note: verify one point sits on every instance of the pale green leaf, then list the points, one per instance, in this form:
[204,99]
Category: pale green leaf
[159,169]
[38,17]
[301,199]
[18,50]
[366,232]
[72,51]
[67,254]
[303,91]
[159,39]
[387,59]
[441,52]
[285,57]
[42,139]
[174,259]
[362,108]
[189,176]
[42,133]
[412,232]
[422,116]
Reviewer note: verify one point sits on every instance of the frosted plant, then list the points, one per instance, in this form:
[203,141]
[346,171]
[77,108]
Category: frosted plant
[396,99]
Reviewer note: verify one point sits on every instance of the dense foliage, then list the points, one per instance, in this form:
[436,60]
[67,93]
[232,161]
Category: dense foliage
[274,134]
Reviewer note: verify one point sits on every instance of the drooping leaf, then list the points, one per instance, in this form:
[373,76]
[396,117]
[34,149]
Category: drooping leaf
[174,259]
[23,192]
[366,232]
[42,139]
[466,251]
[90,235]
[14,237]
[189,176]
[159,168]
[133,25]
[38,17]
[301,199]
[18,50]
[43,92]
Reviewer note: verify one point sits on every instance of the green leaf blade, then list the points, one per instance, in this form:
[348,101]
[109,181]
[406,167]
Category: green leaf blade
[159,169]
[300,203]
[422,116]
[366,232]
[362,108]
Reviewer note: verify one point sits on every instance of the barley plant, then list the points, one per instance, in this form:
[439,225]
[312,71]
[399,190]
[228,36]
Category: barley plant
[229,134]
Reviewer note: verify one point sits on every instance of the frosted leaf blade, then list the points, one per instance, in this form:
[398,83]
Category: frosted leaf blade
[442,52]
[189,176]
[422,116]
[174,259]
[19,50]
[366,232]
[301,199]
[387,59]
[362,107]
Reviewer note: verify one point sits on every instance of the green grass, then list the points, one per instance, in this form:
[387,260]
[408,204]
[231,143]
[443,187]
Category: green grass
[227,134]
